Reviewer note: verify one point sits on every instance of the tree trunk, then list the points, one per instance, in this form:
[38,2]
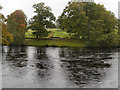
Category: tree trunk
[37,35]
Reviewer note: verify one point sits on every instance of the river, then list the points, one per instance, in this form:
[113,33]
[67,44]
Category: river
[55,67]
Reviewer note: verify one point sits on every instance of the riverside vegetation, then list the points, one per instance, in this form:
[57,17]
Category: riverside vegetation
[79,25]
[59,38]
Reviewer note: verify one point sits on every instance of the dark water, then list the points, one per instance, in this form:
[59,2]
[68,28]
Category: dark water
[53,67]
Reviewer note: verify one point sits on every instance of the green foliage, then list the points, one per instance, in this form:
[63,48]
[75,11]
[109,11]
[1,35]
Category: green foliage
[119,32]
[5,37]
[74,20]
[16,25]
[43,19]
[90,22]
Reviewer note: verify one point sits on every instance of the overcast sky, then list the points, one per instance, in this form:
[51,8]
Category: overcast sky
[57,6]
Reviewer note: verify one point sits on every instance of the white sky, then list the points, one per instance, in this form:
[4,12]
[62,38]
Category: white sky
[57,6]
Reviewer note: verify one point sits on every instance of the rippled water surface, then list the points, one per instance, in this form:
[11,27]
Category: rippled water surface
[54,67]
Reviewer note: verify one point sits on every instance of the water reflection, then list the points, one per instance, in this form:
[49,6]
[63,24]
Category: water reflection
[43,65]
[58,76]
[85,65]
[16,56]
[36,67]
[13,62]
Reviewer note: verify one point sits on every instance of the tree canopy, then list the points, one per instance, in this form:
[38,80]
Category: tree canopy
[43,19]
[5,37]
[90,22]
[16,25]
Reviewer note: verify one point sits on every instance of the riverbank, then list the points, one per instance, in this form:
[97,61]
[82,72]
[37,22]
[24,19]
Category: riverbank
[61,42]
[59,39]
[54,42]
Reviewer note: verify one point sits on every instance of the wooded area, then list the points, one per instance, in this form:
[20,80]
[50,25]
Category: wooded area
[91,23]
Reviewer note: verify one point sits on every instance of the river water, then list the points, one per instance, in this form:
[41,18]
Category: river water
[54,67]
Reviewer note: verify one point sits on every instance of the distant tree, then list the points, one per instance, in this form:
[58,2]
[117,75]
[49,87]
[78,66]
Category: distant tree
[16,25]
[5,37]
[43,19]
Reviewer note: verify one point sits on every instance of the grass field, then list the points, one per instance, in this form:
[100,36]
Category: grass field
[58,33]
[55,32]
[29,34]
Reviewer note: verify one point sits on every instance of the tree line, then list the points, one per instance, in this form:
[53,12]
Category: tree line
[89,22]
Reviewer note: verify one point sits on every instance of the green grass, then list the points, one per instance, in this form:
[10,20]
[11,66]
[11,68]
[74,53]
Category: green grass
[58,33]
[29,34]
[54,42]
[55,32]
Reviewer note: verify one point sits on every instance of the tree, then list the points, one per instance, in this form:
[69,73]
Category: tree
[119,31]
[74,20]
[16,25]
[43,19]
[6,37]
[90,22]
[103,24]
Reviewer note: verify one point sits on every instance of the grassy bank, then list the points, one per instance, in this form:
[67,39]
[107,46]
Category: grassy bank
[54,42]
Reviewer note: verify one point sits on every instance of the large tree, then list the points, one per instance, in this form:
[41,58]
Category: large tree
[74,20]
[43,19]
[103,25]
[5,37]
[16,24]
[90,22]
